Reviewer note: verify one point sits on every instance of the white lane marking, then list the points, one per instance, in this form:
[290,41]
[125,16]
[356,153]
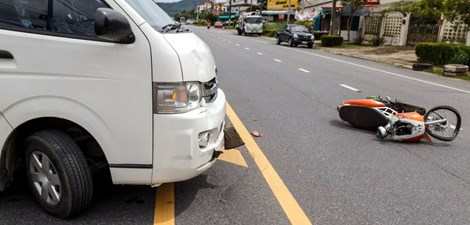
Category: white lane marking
[247,48]
[350,88]
[304,70]
[374,69]
[259,53]
[277,60]
[384,71]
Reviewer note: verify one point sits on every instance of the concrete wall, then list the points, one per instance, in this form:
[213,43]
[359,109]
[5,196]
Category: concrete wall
[468,38]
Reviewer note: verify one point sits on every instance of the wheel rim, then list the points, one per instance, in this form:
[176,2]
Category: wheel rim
[448,128]
[45,178]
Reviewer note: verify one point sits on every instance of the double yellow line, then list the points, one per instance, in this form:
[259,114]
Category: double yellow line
[164,206]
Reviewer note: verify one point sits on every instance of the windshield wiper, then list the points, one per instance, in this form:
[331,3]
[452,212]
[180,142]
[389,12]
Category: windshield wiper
[172,26]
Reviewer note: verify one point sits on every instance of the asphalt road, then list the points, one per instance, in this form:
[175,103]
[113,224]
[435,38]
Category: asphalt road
[336,174]
[341,175]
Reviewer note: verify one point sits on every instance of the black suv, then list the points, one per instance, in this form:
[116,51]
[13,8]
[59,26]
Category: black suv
[295,35]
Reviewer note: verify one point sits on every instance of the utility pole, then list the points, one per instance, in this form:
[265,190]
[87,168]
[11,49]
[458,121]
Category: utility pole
[230,10]
[333,19]
[288,11]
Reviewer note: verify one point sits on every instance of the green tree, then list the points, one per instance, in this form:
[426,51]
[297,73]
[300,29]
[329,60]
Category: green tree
[457,10]
[333,18]
[263,4]
[452,10]
[354,6]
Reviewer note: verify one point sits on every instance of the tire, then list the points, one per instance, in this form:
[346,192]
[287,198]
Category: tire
[68,175]
[278,40]
[239,32]
[310,45]
[433,133]
[291,43]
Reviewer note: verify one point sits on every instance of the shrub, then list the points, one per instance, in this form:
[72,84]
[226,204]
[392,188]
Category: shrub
[307,23]
[200,23]
[330,41]
[271,29]
[443,53]
[460,57]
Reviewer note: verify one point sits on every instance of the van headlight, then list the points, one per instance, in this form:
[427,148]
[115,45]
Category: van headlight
[176,97]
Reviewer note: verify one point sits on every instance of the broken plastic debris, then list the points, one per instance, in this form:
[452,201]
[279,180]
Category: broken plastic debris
[256,133]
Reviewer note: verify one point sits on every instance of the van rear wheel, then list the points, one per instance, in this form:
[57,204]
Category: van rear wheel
[58,174]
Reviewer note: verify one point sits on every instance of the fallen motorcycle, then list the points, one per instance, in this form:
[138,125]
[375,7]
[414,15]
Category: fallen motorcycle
[401,121]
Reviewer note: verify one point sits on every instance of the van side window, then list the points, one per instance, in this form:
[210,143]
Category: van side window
[66,17]
[75,17]
[24,14]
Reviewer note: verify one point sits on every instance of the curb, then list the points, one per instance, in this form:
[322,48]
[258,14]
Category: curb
[400,65]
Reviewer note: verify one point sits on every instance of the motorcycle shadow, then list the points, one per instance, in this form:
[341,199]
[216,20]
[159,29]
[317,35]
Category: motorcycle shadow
[344,125]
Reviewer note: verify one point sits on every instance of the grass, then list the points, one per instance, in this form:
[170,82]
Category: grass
[345,46]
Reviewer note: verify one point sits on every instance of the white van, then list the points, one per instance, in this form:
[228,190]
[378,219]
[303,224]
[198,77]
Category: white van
[93,87]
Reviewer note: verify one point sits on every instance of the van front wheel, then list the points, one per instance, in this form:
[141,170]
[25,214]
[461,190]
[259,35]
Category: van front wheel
[58,174]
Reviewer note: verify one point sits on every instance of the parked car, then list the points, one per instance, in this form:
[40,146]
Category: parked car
[250,24]
[218,24]
[295,35]
[96,92]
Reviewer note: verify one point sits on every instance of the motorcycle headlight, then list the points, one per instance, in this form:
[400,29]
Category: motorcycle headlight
[177,98]
[296,36]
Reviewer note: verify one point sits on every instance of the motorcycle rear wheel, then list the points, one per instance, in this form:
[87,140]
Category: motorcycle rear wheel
[445,131]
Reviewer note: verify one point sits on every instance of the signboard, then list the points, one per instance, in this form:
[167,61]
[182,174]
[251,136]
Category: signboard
[282,4]
[372,2]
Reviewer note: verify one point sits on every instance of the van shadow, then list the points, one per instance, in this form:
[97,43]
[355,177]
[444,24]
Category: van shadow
[186,192]
[344,125]
[118,205]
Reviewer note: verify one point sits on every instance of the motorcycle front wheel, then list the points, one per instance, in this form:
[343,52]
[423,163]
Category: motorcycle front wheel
[443,123]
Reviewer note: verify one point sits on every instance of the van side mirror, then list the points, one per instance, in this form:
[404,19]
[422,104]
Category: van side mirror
[112,26]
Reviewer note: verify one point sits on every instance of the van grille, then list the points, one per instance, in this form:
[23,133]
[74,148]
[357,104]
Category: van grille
[209,91]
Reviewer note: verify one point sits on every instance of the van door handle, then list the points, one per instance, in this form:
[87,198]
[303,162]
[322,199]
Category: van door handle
[5,55]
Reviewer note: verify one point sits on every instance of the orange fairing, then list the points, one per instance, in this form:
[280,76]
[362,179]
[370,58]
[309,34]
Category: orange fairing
[364,102]
[411,116]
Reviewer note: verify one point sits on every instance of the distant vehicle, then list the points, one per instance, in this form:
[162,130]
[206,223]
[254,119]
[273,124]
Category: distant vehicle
[250,24]
[218,24]
[295,35]
[228,23]
[182,20]
[190,21]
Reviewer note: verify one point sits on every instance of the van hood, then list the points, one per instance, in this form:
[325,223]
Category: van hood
[197,61]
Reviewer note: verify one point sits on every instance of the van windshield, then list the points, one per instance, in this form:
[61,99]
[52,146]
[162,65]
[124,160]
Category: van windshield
[152,13]
[254,20]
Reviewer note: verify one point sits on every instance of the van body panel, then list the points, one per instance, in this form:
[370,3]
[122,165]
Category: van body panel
[5,130]
[132,176]
[104,87]
[196,58]
[165,60]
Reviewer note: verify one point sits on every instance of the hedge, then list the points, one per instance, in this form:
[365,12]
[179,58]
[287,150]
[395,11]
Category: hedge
[330,41]
[201,23]
[270,29]
[443,53]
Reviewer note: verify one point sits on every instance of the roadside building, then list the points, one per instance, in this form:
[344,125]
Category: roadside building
[239,6]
